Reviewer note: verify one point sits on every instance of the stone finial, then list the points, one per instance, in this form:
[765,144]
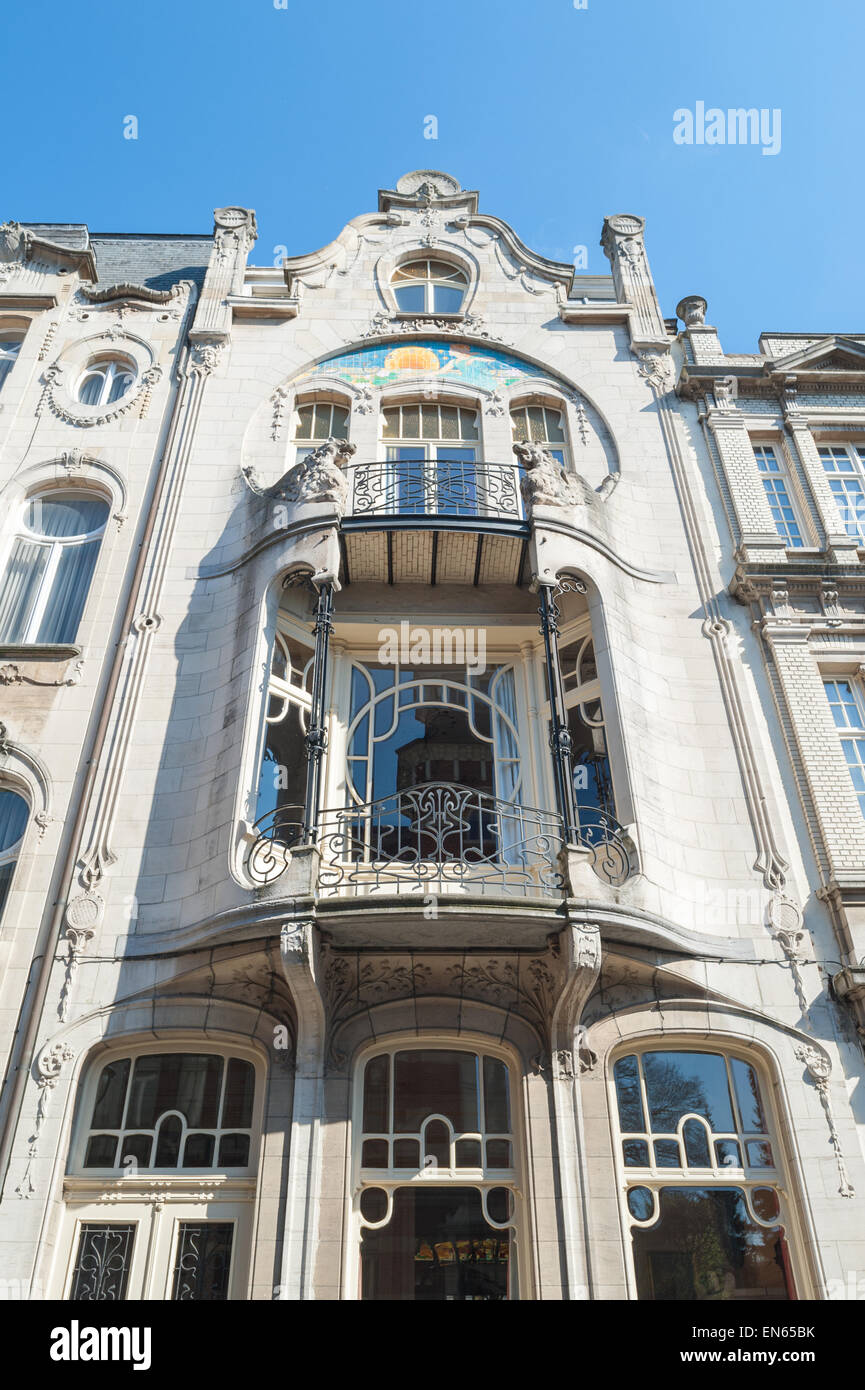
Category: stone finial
[692,311]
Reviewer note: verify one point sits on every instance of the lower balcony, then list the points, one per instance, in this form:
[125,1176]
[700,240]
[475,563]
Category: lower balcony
[440,838]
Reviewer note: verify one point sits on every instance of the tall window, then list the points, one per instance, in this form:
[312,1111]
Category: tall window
[433,452]
[316,421]
[429,287]
[105,381]
[701,1179]
[10,346]
[175,1115]
[541,424]
[776,483]
[14,814]
[50,567]
[847,704]
[437,1177]
[846,470]
[282,777]
[593,783]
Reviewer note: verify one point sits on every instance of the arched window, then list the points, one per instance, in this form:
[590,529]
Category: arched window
[146,1112]
[10,346]
[105,380]
[541,424]
[701,1175]
[429,286]
[49,569]
[316,421]
[14,814]
[437,1176]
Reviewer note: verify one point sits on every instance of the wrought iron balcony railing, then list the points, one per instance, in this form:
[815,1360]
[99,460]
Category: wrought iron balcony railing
[437,838]
[435,488]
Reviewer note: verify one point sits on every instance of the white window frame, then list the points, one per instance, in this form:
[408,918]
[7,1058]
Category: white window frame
[429,281]
[783,494]
[517,1179]
[559,449]
[856,454]
[430,444]
[110,369]
[304,447]
[746,1178]
[10,349]
[56,544]
[850,732]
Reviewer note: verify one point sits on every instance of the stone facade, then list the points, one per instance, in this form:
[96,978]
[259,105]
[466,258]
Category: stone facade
[307,463]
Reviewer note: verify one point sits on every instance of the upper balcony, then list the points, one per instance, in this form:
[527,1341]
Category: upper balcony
[434,520]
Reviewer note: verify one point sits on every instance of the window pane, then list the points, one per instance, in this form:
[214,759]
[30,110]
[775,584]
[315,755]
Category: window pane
[203,1261]
[499,1153]
[59,517]
[234,1151]
[496,1100]
[375,1154]
[239,1092]
[748,1096]
[696,1144]
[635,1153]
[321,422]
[410,299]
[406,1153]
[681,1082]
[91,388]
[339,425]
[180,1081]
[137,1146]
[168,1143]
[705,1247]
[304,422]
[447,299]
[282,778]
[437,1246]
[375,1095]
[102,1263]
[627,1078]
[110,1095]
[20,588]
[198,1151]
[68,593]
[443,1083]
[667,1153]
[14,812]
[101,1150]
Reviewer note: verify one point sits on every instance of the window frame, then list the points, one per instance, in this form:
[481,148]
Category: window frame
[9,339]
[304,447]
[855,453]
[19,531]
[785,494]
[111,368]
[429,282]
[12,853]
[855,734]
[518,1179]
[746,1178]
[560,450]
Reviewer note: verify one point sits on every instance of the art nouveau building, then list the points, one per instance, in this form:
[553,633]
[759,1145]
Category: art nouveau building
[432,768]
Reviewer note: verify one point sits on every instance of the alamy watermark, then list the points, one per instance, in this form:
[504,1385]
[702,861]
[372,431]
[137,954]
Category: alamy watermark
[735,126]
[434,646]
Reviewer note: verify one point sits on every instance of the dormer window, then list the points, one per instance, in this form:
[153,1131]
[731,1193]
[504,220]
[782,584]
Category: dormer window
[105,381]
[429,287]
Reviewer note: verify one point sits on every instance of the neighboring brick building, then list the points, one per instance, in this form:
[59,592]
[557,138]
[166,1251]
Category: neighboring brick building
[432,770]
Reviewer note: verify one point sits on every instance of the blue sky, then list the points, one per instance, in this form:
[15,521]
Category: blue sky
[556,115]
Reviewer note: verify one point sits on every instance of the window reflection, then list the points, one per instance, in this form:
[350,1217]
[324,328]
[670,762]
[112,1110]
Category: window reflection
[437,1246]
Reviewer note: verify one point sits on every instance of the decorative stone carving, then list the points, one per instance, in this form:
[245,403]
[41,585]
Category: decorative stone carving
[656,368]
[545,483]
[11,674]
[563,1064]
[692,311]
[468,326]
[819,1069]
[785,922]
[61,404]
[204,358]
[48,1068]
[495,404]
[428,184]
[320,477]
[364,402]
[278,399]
[724,390]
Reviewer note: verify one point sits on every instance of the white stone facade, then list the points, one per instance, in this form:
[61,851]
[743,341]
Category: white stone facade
[714,906]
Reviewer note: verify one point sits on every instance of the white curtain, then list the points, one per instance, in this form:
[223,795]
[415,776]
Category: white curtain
[20,588]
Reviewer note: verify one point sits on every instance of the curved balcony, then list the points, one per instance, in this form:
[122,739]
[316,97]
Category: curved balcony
[439,838]
[434,521]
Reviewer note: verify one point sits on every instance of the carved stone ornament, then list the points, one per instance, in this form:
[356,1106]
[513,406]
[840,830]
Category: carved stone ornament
[60,402]
[544,482]
[785,922]
[656,368]
[83,915]
[10,674]
[819,1069]
[563,1064]
[385,325]
[294,939]
[724,391]
[48,1068]
[427,184]
[692,311]
[204,358]
[320,477]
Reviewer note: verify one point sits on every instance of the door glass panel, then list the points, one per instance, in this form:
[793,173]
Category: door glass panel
[435,1083]
[102,1263]
[203,1262]
[437,1246]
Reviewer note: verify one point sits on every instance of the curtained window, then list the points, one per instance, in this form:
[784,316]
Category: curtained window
[50,566]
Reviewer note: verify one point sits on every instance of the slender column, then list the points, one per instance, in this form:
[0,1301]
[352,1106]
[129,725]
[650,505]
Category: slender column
[316,738]
[560,738]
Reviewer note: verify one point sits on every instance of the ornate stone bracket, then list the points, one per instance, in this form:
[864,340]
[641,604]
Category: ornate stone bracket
[10,674]
[819,1069]
[384,325]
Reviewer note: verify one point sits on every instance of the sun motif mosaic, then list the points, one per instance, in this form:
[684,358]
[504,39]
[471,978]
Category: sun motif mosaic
[477,366]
